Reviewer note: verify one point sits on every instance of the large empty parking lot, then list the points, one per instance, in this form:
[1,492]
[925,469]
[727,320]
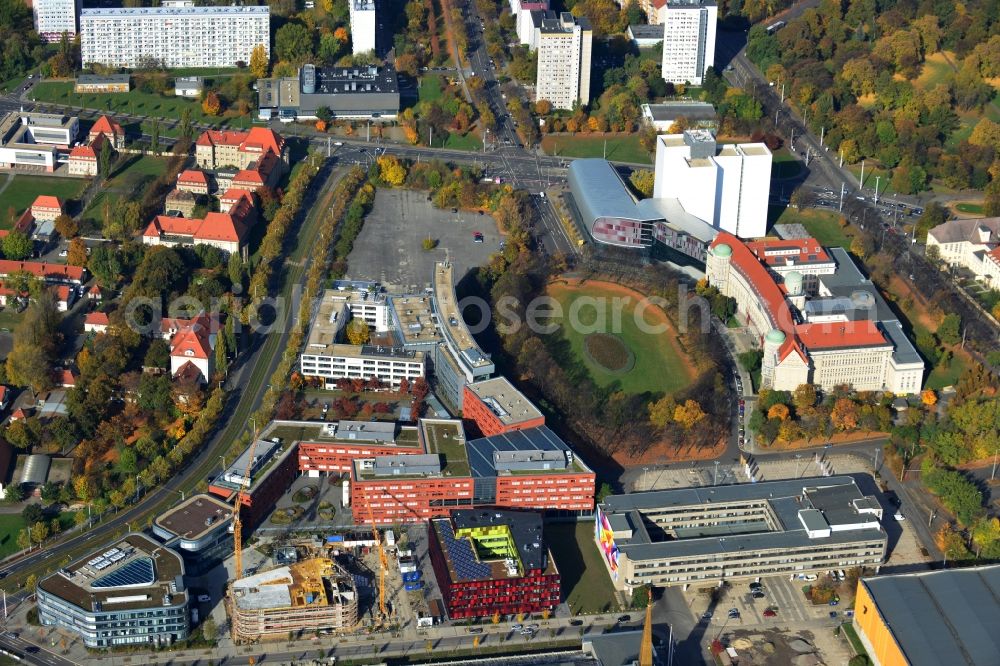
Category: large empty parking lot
[390,247]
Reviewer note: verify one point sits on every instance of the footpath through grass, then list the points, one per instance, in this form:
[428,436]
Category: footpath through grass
[586,585]
[620,148]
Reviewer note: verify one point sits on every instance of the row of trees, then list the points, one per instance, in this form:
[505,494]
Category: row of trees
[786,416]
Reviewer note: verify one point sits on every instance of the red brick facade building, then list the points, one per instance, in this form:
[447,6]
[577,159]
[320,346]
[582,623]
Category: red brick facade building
[496,407]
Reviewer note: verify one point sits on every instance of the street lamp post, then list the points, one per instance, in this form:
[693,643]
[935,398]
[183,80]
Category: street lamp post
[798,458]
[715,478]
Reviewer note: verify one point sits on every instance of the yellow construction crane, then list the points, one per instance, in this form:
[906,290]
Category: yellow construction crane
[383,563]
[237,524]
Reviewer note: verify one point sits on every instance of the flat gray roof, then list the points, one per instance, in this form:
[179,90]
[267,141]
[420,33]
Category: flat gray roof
[672,110]
[848,282]
[829,499]
[942,617]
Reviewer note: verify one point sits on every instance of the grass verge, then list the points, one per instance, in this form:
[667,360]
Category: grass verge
[619,148]
[586,586]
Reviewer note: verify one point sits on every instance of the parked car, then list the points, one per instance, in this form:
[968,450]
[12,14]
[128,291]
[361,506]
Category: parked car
[770,613]
[811,577]
[625,618]
[899,516]
[475,630]
[204,598]
[517,627]
[576,623]
[707,615]
[833,614]
[477,237]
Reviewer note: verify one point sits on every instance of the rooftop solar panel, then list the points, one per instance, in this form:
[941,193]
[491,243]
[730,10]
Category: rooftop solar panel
[134,573]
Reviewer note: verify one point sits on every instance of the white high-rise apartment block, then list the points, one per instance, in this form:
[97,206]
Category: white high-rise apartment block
[726,186]
[177,34]
[362,25]
[688,39]
[54,17]
[564,46]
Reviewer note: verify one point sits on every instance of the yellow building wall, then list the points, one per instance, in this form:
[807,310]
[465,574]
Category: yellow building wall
[882,646]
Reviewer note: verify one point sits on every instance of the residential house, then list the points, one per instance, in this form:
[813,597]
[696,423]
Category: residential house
[95,322]
[111,130]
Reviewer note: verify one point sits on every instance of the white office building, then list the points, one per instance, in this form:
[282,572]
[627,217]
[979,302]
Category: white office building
[54,17]
[362,25]
[688,39]
[564,46]
[174,35]
[726,186]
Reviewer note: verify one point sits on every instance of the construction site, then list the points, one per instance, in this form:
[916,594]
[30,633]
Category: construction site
[311,595]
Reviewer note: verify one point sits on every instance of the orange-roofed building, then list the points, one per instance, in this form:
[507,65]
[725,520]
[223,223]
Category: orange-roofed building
[65,296]
[83,161]
[95,322]
[193,181]
[46,208]
[64,377]
[833,329]
[218,149]
[110,129]
[192,345]
[226,231]
[54,273]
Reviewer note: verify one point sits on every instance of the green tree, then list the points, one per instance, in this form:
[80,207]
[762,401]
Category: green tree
[13,493]
[39,532]
[184,127]
[17,246]
[949,332]
[293,43]
[104,160]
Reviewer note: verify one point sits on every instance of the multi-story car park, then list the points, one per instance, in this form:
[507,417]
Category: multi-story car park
[342,361]
[177,34]
[717,533]
[489,562]
[130,593]
[199,529]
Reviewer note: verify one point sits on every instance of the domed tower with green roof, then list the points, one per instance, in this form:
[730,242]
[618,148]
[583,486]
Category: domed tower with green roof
[717,265]
[772,345]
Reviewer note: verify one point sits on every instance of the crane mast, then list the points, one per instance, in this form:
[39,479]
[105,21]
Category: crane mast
[383,564]
[237,523]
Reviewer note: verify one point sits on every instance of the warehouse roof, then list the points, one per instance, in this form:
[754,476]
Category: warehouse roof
[941,617]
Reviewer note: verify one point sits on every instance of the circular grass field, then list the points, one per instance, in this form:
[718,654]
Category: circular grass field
[599,322]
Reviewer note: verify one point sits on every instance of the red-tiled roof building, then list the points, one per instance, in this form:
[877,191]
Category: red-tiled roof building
[818,320]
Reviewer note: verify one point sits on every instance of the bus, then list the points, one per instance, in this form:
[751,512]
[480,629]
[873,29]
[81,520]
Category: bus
[775,27]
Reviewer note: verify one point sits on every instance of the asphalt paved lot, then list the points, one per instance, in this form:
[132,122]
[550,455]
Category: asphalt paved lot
[389,248]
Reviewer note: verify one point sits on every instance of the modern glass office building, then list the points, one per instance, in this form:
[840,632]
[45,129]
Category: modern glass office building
[131,592]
